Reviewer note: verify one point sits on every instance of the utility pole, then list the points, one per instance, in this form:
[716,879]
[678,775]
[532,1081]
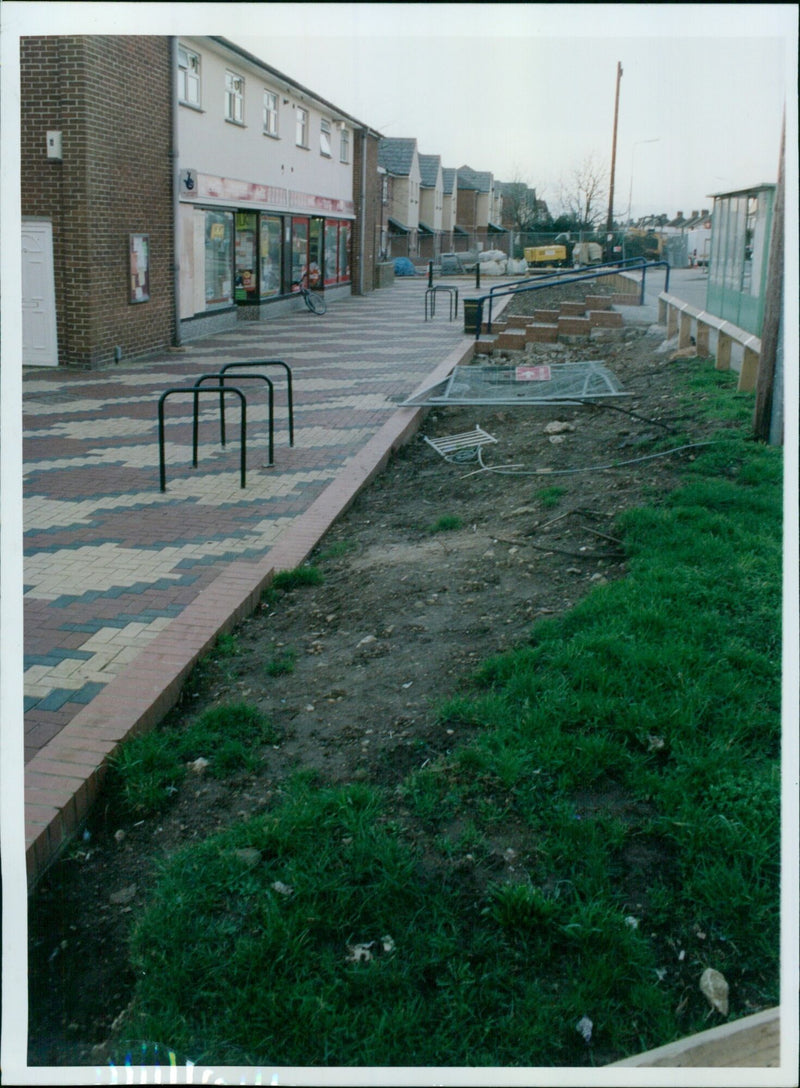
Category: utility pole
[610,220]
[773,312]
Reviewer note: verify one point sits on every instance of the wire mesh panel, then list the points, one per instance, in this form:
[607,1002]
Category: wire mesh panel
[559,383]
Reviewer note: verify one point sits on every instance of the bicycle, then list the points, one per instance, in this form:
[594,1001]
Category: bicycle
[315,303]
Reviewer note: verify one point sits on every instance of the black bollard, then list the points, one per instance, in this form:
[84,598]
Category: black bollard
[430,273]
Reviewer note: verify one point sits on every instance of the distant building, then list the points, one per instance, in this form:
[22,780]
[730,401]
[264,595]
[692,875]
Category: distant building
[400,159]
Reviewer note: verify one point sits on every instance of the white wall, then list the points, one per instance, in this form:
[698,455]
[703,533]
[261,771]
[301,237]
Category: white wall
[211,145]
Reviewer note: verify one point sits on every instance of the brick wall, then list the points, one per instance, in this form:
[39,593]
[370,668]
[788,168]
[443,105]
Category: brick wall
[110,96]
[367,210]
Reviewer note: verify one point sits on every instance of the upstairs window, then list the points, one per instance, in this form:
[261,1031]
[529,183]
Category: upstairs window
[325,138]
[234,98]
[344,144]
[188,77]
[301,127]
[270,113]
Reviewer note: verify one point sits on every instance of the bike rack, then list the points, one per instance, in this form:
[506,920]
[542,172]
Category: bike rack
[246,377]
[196,390]
[452,294]
[266,362]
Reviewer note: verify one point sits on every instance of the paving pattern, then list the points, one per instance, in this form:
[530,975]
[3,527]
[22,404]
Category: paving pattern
[126,584]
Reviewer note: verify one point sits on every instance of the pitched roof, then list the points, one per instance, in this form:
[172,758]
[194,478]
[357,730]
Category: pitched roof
[474,179]
[429,169]
[448,179]
[396,154]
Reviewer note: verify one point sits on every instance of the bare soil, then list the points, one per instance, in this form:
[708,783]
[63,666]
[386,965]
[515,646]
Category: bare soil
[401,621]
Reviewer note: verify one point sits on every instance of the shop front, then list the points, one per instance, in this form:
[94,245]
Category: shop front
[245,262]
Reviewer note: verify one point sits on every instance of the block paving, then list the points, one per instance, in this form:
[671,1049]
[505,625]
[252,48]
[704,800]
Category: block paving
[126,586]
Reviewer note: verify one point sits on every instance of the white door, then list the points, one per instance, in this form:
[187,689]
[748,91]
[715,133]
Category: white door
[39,343]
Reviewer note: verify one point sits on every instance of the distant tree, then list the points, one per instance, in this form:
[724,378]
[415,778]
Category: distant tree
[582,195]
[519,205]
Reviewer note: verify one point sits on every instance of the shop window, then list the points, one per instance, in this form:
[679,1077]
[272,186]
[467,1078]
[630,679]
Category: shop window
[299,249]
[245,271]
[188,77]
[325,138]
[301,127]
[270,114]
[271,250]
[344,145]
[315,253]
[331,250]
[234,98]
[218,259]
[344,252]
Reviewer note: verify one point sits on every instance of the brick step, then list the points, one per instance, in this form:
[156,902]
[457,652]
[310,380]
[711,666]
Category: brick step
[605,319]
[572,309]
[541,334]
[599,302]
[574,326]
[511,339]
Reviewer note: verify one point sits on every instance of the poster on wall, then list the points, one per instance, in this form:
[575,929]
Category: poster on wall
[140,268]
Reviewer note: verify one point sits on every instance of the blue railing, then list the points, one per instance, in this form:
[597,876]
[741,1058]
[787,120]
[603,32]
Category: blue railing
[522,286]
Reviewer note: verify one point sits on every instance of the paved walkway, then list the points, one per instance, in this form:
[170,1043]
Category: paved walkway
[126,586]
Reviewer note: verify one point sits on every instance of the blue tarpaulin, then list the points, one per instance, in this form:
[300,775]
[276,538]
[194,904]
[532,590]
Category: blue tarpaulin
[404,267]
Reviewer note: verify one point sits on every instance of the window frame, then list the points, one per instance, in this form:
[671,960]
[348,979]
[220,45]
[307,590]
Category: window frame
[232,97]
[344,145]
[185,78]
[325,131]
[301,127]
[268,113]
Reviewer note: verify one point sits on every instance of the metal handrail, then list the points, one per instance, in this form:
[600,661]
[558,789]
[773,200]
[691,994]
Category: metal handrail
[196,390]
[540,285]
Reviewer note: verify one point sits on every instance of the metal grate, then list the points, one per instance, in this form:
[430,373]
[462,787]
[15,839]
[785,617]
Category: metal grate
[566,383]
[457,446]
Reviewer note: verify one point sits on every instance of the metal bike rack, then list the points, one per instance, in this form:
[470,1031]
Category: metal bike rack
[263,363]
[196,390]
[452,293]
[246,377]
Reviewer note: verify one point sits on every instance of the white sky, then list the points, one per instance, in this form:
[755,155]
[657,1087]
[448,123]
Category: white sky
[525,91]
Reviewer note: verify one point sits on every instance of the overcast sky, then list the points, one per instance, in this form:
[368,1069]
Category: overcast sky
[525,91]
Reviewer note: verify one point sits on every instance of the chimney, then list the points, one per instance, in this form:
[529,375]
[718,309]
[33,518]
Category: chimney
[705,213]
[679,215]
[695,215]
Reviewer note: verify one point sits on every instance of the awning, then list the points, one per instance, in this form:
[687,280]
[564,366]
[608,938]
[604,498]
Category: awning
[397,226]
[494,229]
[424,228]
[459,230]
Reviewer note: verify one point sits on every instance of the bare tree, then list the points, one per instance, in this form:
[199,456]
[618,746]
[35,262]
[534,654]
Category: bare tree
[519,204]
[583,193]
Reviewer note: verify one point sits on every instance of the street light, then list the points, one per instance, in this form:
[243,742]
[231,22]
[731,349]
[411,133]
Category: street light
[654,140]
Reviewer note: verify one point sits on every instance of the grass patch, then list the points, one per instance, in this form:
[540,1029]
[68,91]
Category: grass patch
[281,664]
[611,829]
[306,575]
[550,496]
[447,523]
[147,770]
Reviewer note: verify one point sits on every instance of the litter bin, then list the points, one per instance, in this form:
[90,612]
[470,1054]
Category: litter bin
[471,315]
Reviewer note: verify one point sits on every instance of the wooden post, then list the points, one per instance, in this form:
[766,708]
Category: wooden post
[773,305]
[748,375]
[685,333]
[610,220]
[723,351]
[702,339]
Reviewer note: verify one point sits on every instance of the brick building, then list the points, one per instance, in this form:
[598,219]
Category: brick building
[96,188]
[144,191]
